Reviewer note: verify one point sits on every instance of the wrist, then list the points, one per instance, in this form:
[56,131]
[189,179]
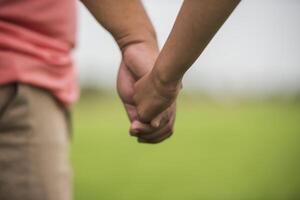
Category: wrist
[138,47]
[147,38]
[140,57]
[167,88]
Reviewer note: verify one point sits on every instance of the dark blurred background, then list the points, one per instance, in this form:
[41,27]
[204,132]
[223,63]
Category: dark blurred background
[237,131]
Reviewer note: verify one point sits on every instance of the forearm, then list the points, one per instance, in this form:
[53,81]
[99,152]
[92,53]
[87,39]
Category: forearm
[196,24]
[126,20]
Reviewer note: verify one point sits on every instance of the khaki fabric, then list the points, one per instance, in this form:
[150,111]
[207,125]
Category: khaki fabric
[34,163]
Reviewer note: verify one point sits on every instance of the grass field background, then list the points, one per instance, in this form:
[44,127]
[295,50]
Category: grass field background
[246,150]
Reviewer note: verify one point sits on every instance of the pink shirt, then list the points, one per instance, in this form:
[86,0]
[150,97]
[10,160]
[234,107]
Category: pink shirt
[36,39]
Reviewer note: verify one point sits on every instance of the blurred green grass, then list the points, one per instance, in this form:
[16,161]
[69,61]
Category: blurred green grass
[219,151]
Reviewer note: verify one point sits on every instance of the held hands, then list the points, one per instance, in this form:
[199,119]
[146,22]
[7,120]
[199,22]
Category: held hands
[152,96]
[149,104]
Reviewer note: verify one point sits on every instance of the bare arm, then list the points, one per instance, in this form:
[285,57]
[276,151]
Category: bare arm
[126,20]
[130,26]
[196,24]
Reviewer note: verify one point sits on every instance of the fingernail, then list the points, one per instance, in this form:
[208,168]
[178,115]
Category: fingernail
[156,124]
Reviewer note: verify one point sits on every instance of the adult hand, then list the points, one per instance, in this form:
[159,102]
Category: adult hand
[153,97]
[137,60]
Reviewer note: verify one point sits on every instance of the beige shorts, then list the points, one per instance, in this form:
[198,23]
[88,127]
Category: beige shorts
[34,145]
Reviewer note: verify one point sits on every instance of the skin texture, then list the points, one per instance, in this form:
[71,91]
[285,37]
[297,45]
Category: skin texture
[149,93]
[126,20]
[130,26]
[196,24]
[138,60]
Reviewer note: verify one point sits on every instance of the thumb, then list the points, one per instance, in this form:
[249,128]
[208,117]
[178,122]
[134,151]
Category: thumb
[160,120]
